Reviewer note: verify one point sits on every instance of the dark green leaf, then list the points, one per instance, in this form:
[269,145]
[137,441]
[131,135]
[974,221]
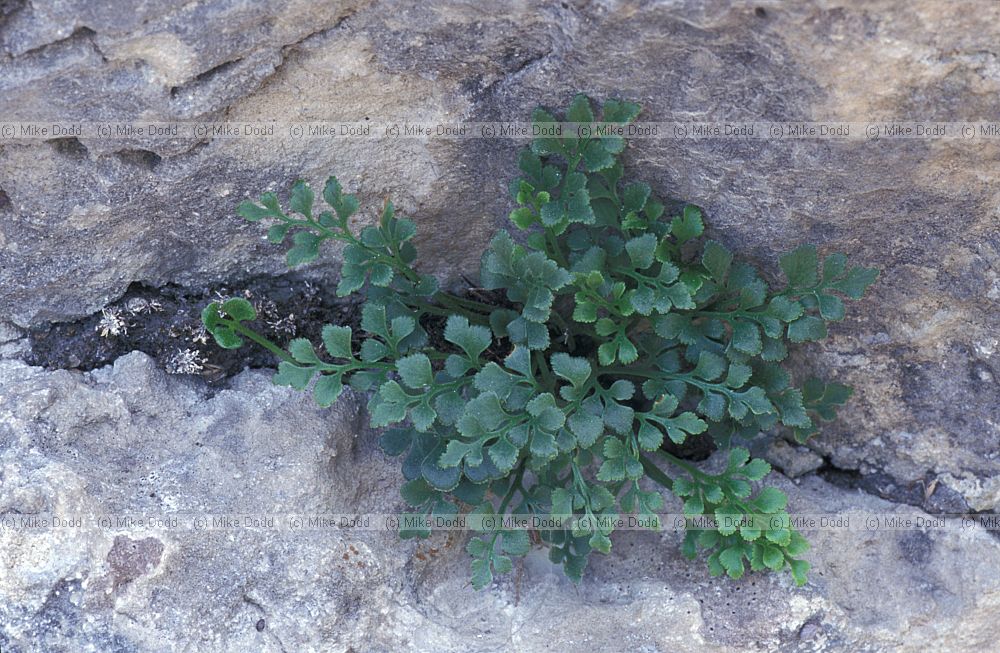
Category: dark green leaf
[579,110]
[807,328]
[746,337]
[226,338]
[305,248]
[302,199]
[620,112]
[717,260]
[472,339]
[482,575]
[573,369]
[770,500]
[799,570]
[337,341]
[328,389]
[688,225]
[831,308]
[587,428]
[856,282]
[238,309]
[799,267]
[293,375]
[415,370]
[731,560]
[253,213]
[641,249]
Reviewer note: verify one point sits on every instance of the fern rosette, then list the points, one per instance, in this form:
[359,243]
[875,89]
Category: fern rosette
[618,335]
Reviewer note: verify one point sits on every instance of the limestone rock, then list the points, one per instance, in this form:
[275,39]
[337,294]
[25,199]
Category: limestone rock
[81,219]
[130,439]
[792,460]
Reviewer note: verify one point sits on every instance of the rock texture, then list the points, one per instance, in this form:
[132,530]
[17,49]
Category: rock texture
[129,438]
[82,219]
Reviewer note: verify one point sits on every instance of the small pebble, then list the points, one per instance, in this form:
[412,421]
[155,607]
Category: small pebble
[808,631]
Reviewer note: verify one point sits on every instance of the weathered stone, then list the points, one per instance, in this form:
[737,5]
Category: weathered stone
[793,461]
[130,439]
[81,219]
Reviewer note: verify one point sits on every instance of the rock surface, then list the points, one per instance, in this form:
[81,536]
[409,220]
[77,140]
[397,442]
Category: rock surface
[129,439]
[792,460]
[82,219]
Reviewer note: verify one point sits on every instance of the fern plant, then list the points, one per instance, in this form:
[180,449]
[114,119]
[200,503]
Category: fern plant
[619,331]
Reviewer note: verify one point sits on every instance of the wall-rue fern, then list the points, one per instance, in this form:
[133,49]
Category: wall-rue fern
[621,331]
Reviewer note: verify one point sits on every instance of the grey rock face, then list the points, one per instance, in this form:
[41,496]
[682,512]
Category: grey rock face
[129,439]
[81,219]
[793,461]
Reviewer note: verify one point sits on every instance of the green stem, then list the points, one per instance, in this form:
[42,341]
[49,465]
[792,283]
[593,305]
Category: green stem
[659,374]
[557,254]
[475,318]
[550,236]
[725,314]
[619,370]
[547,377]
[428,307]
[514,486]
[462,302]
[559,320]
[260,340]
[597,298]
[686,466]
[655,473]
[394,261]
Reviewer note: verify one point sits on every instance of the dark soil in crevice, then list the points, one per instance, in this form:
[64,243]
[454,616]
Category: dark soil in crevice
[694,449]
[165,323]
[924,493]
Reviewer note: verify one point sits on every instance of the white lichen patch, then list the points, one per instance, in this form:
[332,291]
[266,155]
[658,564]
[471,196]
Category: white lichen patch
[140,306]
[112,324]
[185,361]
